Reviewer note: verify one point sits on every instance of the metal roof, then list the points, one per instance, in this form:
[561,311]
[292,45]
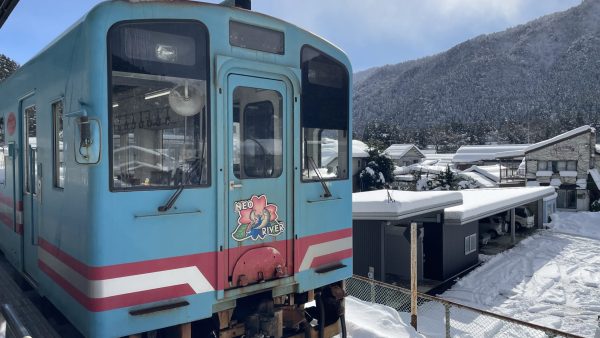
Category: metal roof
[6,7]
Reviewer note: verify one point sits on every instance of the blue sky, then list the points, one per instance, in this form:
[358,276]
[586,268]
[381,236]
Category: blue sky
[372,32]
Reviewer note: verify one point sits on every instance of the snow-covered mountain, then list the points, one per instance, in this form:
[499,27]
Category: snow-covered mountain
[543,76]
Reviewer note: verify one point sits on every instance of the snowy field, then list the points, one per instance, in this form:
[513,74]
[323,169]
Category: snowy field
[551,279]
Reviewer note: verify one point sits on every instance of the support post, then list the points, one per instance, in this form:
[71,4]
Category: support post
[413,275]
[512,226]
[447,311]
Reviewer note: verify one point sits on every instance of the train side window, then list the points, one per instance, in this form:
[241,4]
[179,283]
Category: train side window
[59,157]
[30,149]
[3,150]
[159,105]
[324,116]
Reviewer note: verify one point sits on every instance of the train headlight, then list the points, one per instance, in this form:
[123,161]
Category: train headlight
[166,53]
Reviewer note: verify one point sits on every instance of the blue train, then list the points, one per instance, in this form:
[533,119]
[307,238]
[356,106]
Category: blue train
[175,165]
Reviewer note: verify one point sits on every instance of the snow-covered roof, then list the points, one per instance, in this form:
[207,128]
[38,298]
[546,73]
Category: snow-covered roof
[558,138]
[471,154]
[491,172]
[480,179]
[396,151]
[481,203]
[397,204]
[447,157]
[511,153]
[359,149]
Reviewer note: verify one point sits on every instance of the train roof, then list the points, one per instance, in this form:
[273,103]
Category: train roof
[110,3]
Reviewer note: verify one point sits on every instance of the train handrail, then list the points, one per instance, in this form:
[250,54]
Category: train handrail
[13,324]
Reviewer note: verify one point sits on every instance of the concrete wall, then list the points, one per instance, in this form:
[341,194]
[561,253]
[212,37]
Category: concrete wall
[455,260]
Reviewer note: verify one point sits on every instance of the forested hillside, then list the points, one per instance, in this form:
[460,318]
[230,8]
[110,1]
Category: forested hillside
[521,85]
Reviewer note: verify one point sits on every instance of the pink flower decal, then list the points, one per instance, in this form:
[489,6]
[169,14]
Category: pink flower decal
[256,219]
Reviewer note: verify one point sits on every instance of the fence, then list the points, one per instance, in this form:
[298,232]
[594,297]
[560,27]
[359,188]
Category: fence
[442,318]
[10,325]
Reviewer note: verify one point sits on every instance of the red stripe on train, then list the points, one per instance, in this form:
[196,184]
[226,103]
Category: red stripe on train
[206,262]
[115,302]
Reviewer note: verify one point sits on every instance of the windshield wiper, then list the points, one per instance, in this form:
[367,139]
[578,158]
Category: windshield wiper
[186,174]
[173,198]
[327,193]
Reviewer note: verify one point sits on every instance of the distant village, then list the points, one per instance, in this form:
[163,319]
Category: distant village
[475,203]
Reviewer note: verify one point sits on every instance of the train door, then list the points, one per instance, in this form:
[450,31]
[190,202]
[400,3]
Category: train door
[31,184]
[259,176]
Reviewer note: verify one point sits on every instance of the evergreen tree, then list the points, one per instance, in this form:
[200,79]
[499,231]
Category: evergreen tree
[7,67]
[379,172]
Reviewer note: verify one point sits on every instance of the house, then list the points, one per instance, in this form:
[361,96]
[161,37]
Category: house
[479,155]
[404,154]
[564,162]
[360,156]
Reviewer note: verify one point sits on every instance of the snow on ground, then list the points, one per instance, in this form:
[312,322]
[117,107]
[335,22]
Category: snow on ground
[551,279]
[580,223]
[369,320]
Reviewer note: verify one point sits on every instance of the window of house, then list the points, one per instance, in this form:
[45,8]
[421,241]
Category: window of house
[572,165]
[566,199]
[470,244]
[542,165]
[558,166]
[59,159]
[324,116]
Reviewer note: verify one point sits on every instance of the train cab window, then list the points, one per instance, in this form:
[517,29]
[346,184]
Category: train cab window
[324,116]
[159,105]
[59,157]
[257,133]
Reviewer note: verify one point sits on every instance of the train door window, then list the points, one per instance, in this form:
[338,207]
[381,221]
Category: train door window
[30,149]
[257,133]
[59,159]
[159,105]
[324,116]
[3,150]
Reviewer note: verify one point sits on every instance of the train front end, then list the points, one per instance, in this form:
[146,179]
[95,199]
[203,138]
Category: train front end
[222,191]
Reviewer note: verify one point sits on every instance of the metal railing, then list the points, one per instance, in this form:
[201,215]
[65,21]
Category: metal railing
[438,317]
[13,328]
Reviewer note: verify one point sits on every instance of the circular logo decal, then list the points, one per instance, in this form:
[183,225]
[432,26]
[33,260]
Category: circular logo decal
[11,123]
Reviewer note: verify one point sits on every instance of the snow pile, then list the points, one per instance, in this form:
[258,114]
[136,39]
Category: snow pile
[580,223]
[550,279]
[368,320]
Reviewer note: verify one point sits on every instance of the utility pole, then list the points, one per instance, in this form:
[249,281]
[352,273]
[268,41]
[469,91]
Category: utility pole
[413,275]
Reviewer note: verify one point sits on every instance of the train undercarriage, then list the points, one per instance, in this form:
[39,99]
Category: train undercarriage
[314,314]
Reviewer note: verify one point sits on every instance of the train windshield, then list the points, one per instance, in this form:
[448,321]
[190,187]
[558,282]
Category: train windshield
[325,112]
[159,104]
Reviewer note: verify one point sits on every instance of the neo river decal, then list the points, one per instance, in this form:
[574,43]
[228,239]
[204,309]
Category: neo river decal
[257,219]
